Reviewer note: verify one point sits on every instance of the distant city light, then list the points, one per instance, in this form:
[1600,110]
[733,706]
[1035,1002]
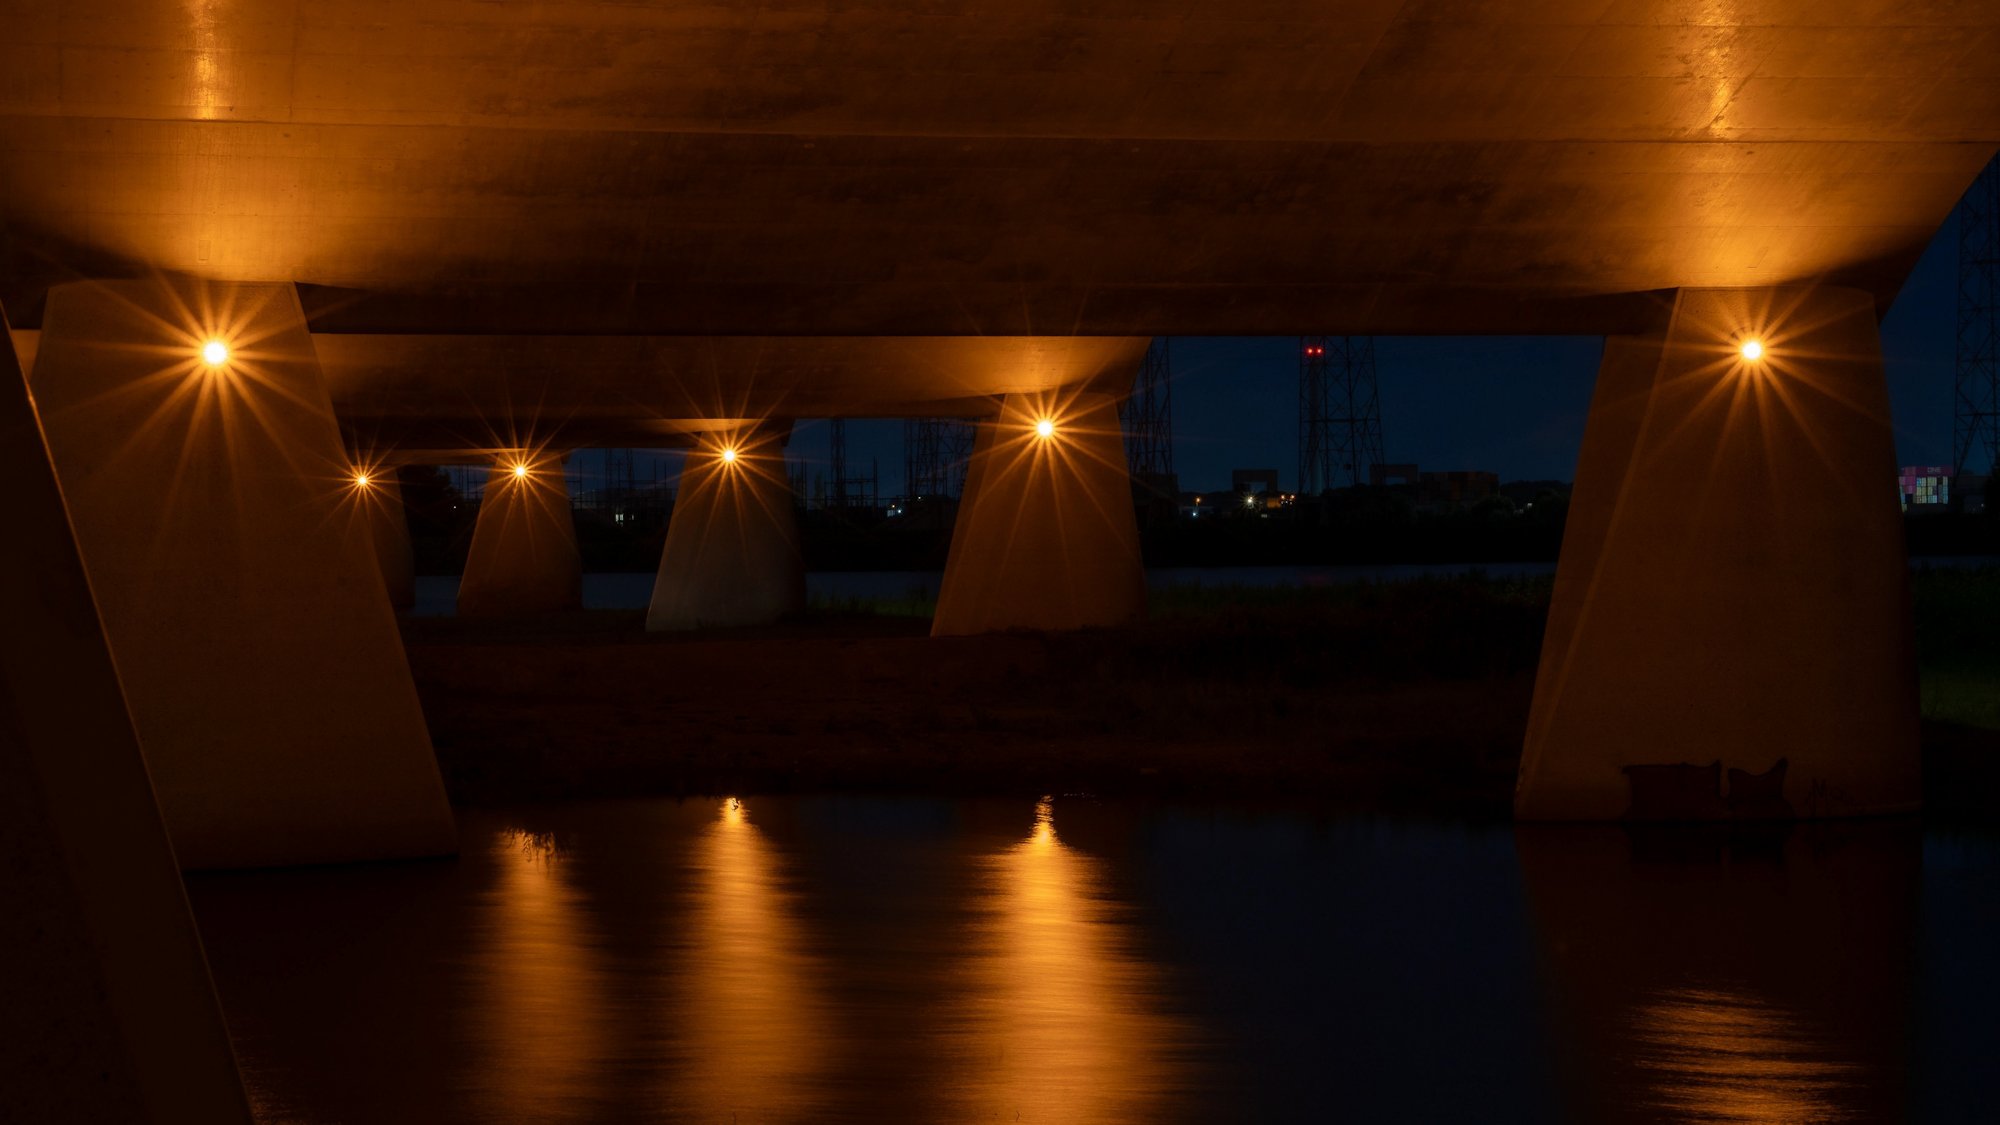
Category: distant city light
[215,353]
[1753,350]
[1046,428]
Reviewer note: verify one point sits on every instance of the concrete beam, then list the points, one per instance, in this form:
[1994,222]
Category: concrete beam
[108,1014]
[1046,537]
[524,558]
[732,552]
[1730,633]
[213,505]
[397,393]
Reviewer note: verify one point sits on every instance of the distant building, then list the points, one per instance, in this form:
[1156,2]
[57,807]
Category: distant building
[1435,490]
[1257,490]
[1451,490]
[1526,492]
[1383,476]
[1925,487]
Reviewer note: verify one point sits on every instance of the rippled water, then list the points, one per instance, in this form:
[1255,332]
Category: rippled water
[811,959]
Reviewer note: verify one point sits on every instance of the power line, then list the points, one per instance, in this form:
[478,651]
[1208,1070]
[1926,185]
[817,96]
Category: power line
[1976,404]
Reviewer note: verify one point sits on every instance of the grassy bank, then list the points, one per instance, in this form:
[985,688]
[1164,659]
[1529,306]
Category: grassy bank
[1958,645]
[1407,695]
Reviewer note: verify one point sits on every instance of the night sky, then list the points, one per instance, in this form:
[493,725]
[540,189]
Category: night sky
[1513,405]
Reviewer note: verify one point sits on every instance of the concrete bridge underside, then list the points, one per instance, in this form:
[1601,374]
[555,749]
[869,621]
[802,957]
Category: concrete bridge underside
[441,228]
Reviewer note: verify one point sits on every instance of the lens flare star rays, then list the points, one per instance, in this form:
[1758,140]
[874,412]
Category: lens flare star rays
[1046,537]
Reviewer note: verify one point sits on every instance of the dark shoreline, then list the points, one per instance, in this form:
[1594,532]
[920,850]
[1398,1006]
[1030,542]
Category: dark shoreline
[1403,705]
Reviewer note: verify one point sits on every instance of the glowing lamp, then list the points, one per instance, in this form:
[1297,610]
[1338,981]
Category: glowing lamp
[1752,350]
[1046,428]
[729,456]
[361,480]
[215,353]
[521,471]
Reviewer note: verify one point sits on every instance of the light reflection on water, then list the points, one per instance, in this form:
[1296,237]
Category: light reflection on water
[1722,1056]
[811,959]
[542,1015]
[749,1015]
[1058,1023]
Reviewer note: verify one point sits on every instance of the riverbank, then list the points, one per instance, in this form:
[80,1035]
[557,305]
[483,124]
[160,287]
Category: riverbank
[1406,696]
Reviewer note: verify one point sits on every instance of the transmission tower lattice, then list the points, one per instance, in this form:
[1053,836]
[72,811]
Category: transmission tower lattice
[1340,417]
[1975,410]
[935,451]
[847,491]
[1148,416]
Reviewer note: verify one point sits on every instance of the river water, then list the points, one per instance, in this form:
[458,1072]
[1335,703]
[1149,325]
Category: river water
[822,958]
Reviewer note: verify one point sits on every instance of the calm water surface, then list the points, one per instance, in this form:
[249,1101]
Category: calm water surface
[824,958]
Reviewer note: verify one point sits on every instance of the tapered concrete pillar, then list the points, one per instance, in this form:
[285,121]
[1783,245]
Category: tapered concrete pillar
[379,503]
[213,505]
[108,1014]
[523,559]
[1046,537]
[732,553]
[1730,632]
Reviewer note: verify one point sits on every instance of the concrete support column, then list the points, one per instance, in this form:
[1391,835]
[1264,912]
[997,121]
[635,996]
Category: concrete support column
[212,500]
[379,503]
[732,553]
[1730,634]
[1046,537]
[108,1013]
[523,559]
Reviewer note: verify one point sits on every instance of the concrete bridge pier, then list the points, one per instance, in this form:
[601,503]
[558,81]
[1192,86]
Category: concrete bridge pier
[379,500]
[524,559]
[213,505]
[732,551]
[1730,635]
[108,1012]
[1046,537]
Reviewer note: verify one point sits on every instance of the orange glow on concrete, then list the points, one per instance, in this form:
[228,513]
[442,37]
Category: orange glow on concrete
[732,553]
[215,353]
[1722,512]
[1752,350]
[1045,536]
[523,558]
